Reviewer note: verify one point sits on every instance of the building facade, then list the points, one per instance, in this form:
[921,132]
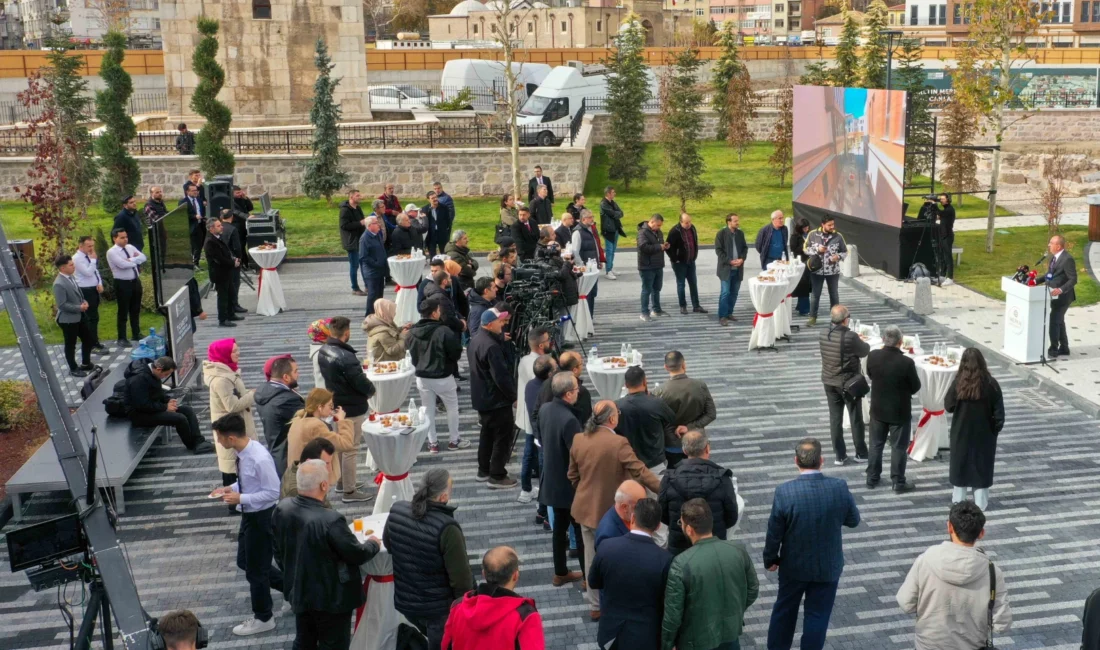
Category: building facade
[85,23]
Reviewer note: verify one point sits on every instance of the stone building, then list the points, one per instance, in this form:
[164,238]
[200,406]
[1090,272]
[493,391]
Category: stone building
[267,49]
[591,23]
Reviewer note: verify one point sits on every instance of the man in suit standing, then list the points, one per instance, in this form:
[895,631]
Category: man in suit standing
[196,217]
[71,307]
[526,235]
[1061,277]
[690,401]
[683,250]
[558,425]
[372,261]
[731,249]
[542,207]
[539,181]
[630,571]
[804,544]
[125,262]
[894,381]
[221,263]
[91,285]
[440,218]
[233,239]
[128,220]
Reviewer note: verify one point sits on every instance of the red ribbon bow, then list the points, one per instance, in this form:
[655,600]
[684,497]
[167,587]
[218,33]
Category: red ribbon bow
[759,316]
[399,288]
[260,284]
[380,476]
[366,592]
[584,297]
[924,418]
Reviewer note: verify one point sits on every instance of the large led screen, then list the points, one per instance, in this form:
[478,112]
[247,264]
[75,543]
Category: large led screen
[849,151]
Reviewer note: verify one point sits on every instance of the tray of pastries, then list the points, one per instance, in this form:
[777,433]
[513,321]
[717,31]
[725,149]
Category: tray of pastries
[267,247]
[383,367]
[614,362]
[404,257]
[935,360]
[395,420]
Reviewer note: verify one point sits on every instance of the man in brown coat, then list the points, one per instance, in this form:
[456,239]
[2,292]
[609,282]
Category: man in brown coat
[690,401]
[599,461]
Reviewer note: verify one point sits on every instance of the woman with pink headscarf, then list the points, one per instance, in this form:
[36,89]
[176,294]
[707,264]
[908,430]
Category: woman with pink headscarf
[385,340]
[227,395]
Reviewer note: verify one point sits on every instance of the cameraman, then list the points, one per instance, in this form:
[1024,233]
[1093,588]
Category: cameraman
[179,629]
[570,292]
[549,248]
[947,234]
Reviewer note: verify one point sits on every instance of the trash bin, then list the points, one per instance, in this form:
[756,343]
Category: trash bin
[22,251]
[1094,217]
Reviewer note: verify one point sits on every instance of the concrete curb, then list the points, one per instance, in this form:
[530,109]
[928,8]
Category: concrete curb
[1033,378]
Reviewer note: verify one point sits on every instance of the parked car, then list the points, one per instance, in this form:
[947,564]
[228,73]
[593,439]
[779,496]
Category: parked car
[398,97]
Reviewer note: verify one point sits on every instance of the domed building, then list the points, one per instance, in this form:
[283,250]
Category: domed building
[465,7]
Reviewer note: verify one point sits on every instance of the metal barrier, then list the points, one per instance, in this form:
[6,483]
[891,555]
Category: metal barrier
[140,104]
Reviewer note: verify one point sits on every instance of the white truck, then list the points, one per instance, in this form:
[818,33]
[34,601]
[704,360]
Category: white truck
[486,80]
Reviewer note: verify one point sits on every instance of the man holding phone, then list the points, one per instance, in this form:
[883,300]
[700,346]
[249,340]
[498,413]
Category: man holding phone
[828,244]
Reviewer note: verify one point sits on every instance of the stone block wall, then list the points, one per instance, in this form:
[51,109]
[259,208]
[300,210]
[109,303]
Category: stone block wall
[761,126]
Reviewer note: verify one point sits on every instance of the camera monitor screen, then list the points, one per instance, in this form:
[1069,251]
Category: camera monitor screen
[171,252]
[50,540]
[849,151]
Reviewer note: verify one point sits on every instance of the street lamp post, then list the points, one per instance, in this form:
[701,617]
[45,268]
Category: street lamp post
[890,35]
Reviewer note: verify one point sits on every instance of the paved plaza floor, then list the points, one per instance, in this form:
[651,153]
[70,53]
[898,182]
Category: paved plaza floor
[1043,523]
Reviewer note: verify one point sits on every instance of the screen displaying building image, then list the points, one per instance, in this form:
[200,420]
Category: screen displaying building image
[849,151]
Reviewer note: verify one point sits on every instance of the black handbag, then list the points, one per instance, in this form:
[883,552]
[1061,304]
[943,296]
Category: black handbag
[814,263]
[855,387]
[992,599]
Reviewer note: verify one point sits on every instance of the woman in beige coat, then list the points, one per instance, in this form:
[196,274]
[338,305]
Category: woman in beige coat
[319,420]
[227,395]
[385,340]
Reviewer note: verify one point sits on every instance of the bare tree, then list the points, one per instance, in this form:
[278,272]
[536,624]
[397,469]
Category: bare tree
[380,13]
[1057,173]
[111,15]
[507,16]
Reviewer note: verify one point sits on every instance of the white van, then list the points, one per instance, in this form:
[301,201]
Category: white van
[486,80]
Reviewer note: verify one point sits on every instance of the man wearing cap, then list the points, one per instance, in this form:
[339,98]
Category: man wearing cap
[440,218]
[405,237]
[493,394]
[128,220]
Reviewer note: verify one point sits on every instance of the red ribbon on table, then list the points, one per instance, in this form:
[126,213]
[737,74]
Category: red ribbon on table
[260,283]
[924,418]
[366,592]
[380,476]
[399,288]
[584,297]
[758,316]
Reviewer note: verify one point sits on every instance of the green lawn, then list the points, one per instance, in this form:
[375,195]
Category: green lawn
[42,302]
[982,271]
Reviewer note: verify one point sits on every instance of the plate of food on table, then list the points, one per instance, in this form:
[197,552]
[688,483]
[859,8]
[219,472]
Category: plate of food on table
[614,362]
[383,367]
[267,247]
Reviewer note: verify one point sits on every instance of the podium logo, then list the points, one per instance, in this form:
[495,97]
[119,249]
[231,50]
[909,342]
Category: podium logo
[1015,323]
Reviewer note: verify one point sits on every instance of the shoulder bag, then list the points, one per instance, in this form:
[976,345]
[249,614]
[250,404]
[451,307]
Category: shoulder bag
[992,599]
[856,386]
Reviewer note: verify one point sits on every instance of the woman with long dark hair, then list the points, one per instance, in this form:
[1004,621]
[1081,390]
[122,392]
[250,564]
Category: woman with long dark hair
[430,567]
[978,414]
[799,233]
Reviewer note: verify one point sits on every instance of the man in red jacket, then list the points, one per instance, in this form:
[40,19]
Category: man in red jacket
[493,617]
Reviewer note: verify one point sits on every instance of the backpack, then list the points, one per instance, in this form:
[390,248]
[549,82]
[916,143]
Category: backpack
[115,403]
[92,382]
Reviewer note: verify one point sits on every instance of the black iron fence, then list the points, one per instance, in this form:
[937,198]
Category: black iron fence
[15,112]
[1042,99]
[599,104]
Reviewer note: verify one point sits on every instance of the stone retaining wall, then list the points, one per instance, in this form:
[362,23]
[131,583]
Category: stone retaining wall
[761,126]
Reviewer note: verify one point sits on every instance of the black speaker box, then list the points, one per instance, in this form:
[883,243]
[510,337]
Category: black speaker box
[219,195]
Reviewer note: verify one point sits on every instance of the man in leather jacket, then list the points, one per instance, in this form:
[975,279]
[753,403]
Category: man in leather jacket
[343,373]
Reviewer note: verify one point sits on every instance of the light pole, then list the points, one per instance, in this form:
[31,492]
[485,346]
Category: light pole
[890,35]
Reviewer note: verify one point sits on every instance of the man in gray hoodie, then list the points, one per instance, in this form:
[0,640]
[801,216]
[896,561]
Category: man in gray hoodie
[948,588]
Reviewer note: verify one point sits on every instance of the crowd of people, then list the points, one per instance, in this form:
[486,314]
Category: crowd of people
[628,487]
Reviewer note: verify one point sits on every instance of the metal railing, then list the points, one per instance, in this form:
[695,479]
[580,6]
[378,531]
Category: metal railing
[599,104]
[407,97]
[140,104]
[1053,98]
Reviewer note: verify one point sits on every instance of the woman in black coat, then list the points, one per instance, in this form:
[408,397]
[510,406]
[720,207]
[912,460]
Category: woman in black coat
[978,414]
[798,246]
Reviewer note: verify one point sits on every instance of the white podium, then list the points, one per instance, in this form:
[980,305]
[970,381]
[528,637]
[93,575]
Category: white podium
[1024,323]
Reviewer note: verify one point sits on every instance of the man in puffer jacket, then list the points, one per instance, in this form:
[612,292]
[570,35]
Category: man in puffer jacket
[493,617]
[435,351]
[651,265]
[344,376]
[697,477]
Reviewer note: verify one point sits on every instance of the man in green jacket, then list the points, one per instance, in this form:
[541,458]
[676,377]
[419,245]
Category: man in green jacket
[709,588]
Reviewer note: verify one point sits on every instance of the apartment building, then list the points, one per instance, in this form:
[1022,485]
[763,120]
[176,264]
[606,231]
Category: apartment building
[944,23]
[11,26]
[85,22]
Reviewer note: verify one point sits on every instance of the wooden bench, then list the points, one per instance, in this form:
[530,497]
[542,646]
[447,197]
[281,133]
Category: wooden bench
[121,448]
[957,251]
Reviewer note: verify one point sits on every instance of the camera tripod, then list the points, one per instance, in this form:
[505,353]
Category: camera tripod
[99,606]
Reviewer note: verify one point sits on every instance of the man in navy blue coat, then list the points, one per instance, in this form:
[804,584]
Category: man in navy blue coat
[804,544]
[630,572]
[372,261]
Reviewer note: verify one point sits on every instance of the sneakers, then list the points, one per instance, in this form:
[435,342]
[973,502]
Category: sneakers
[357,496]
[254,626]
[946,282]
[455,445]
[359,485]
[481,478]
[572,576]
[525,497]
[100,349]
[811,321]
[644,317]
[505,483]
[658,312]
[841,462]
[433,447]
[861,459]
[611,275]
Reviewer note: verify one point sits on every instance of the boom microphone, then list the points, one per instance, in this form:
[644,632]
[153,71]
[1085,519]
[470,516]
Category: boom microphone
[1045,255]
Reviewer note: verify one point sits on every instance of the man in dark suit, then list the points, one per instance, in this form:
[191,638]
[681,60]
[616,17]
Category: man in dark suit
[128,220]
[538,181]
[1061,277]
[196,217]
[731,249]
[894,381]
[526,235]
[804,544]
[541,207]
[221,263]
[631,572]
[233,237]
[557,424]
[441,218]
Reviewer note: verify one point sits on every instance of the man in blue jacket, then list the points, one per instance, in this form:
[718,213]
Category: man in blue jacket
[372,261]
[771,241]
[804,544]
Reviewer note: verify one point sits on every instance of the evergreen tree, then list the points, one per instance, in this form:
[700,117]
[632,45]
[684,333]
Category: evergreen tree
[874,52]
[846,72]
[782,134]
[681,126]
[910,76]
[627,93]
[214,158]
[323,175]
[817,74]
[742,108]
[121,174]
[72,112]
[958,126]
[725,69]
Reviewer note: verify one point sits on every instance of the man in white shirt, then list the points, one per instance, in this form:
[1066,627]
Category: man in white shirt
[70,316]
[91,285]
[256,494]
[125,261]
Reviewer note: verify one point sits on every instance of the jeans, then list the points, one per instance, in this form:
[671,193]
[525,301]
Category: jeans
[819,607]
[816,281]
[447,390]
[898,435]
[838,400]
[322,631]
[531,454]
[71,332]
[563,521]
[432,628]
[495,445]
[981,496]
[353,269]
[255,550]
[803,305]
[1058,338]
[609,246]
[685,271]
[348,459]
[91,296]
[652,279]
[727,297]
[128,294]
[183,420]
[376,286]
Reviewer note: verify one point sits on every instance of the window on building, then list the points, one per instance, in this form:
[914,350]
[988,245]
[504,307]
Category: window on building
[1085,11]
[796,25]
[748,24]
[563,28]
[475,29]
[956,17]
[156,24]
[493,28]
[1096,12]
[599,26]
[261,9]
[914,11]
[779,22]
[530,27]
[698,12]
[943,15]
[779,9]
[1067,15]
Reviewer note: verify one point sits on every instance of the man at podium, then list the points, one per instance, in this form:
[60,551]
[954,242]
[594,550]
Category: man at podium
[1061,277]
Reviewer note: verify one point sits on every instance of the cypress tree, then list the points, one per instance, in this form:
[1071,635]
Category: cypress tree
[909,76]
[727,66]
[846,72]
[874,52]
[627,93]
[681,126]
[214,158]
[323,175]
[121,174]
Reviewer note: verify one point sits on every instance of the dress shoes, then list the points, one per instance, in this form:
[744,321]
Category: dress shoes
[699,310]
[239,310]
[903,487]
[572,576]
[236,317]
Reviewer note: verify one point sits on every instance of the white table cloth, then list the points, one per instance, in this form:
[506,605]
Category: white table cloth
[580,313]
[608,381]
[391,390]
[793,273]
[269,292]
[766,298]
[394,454]
[406,273]
[932,433]
[376,622]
